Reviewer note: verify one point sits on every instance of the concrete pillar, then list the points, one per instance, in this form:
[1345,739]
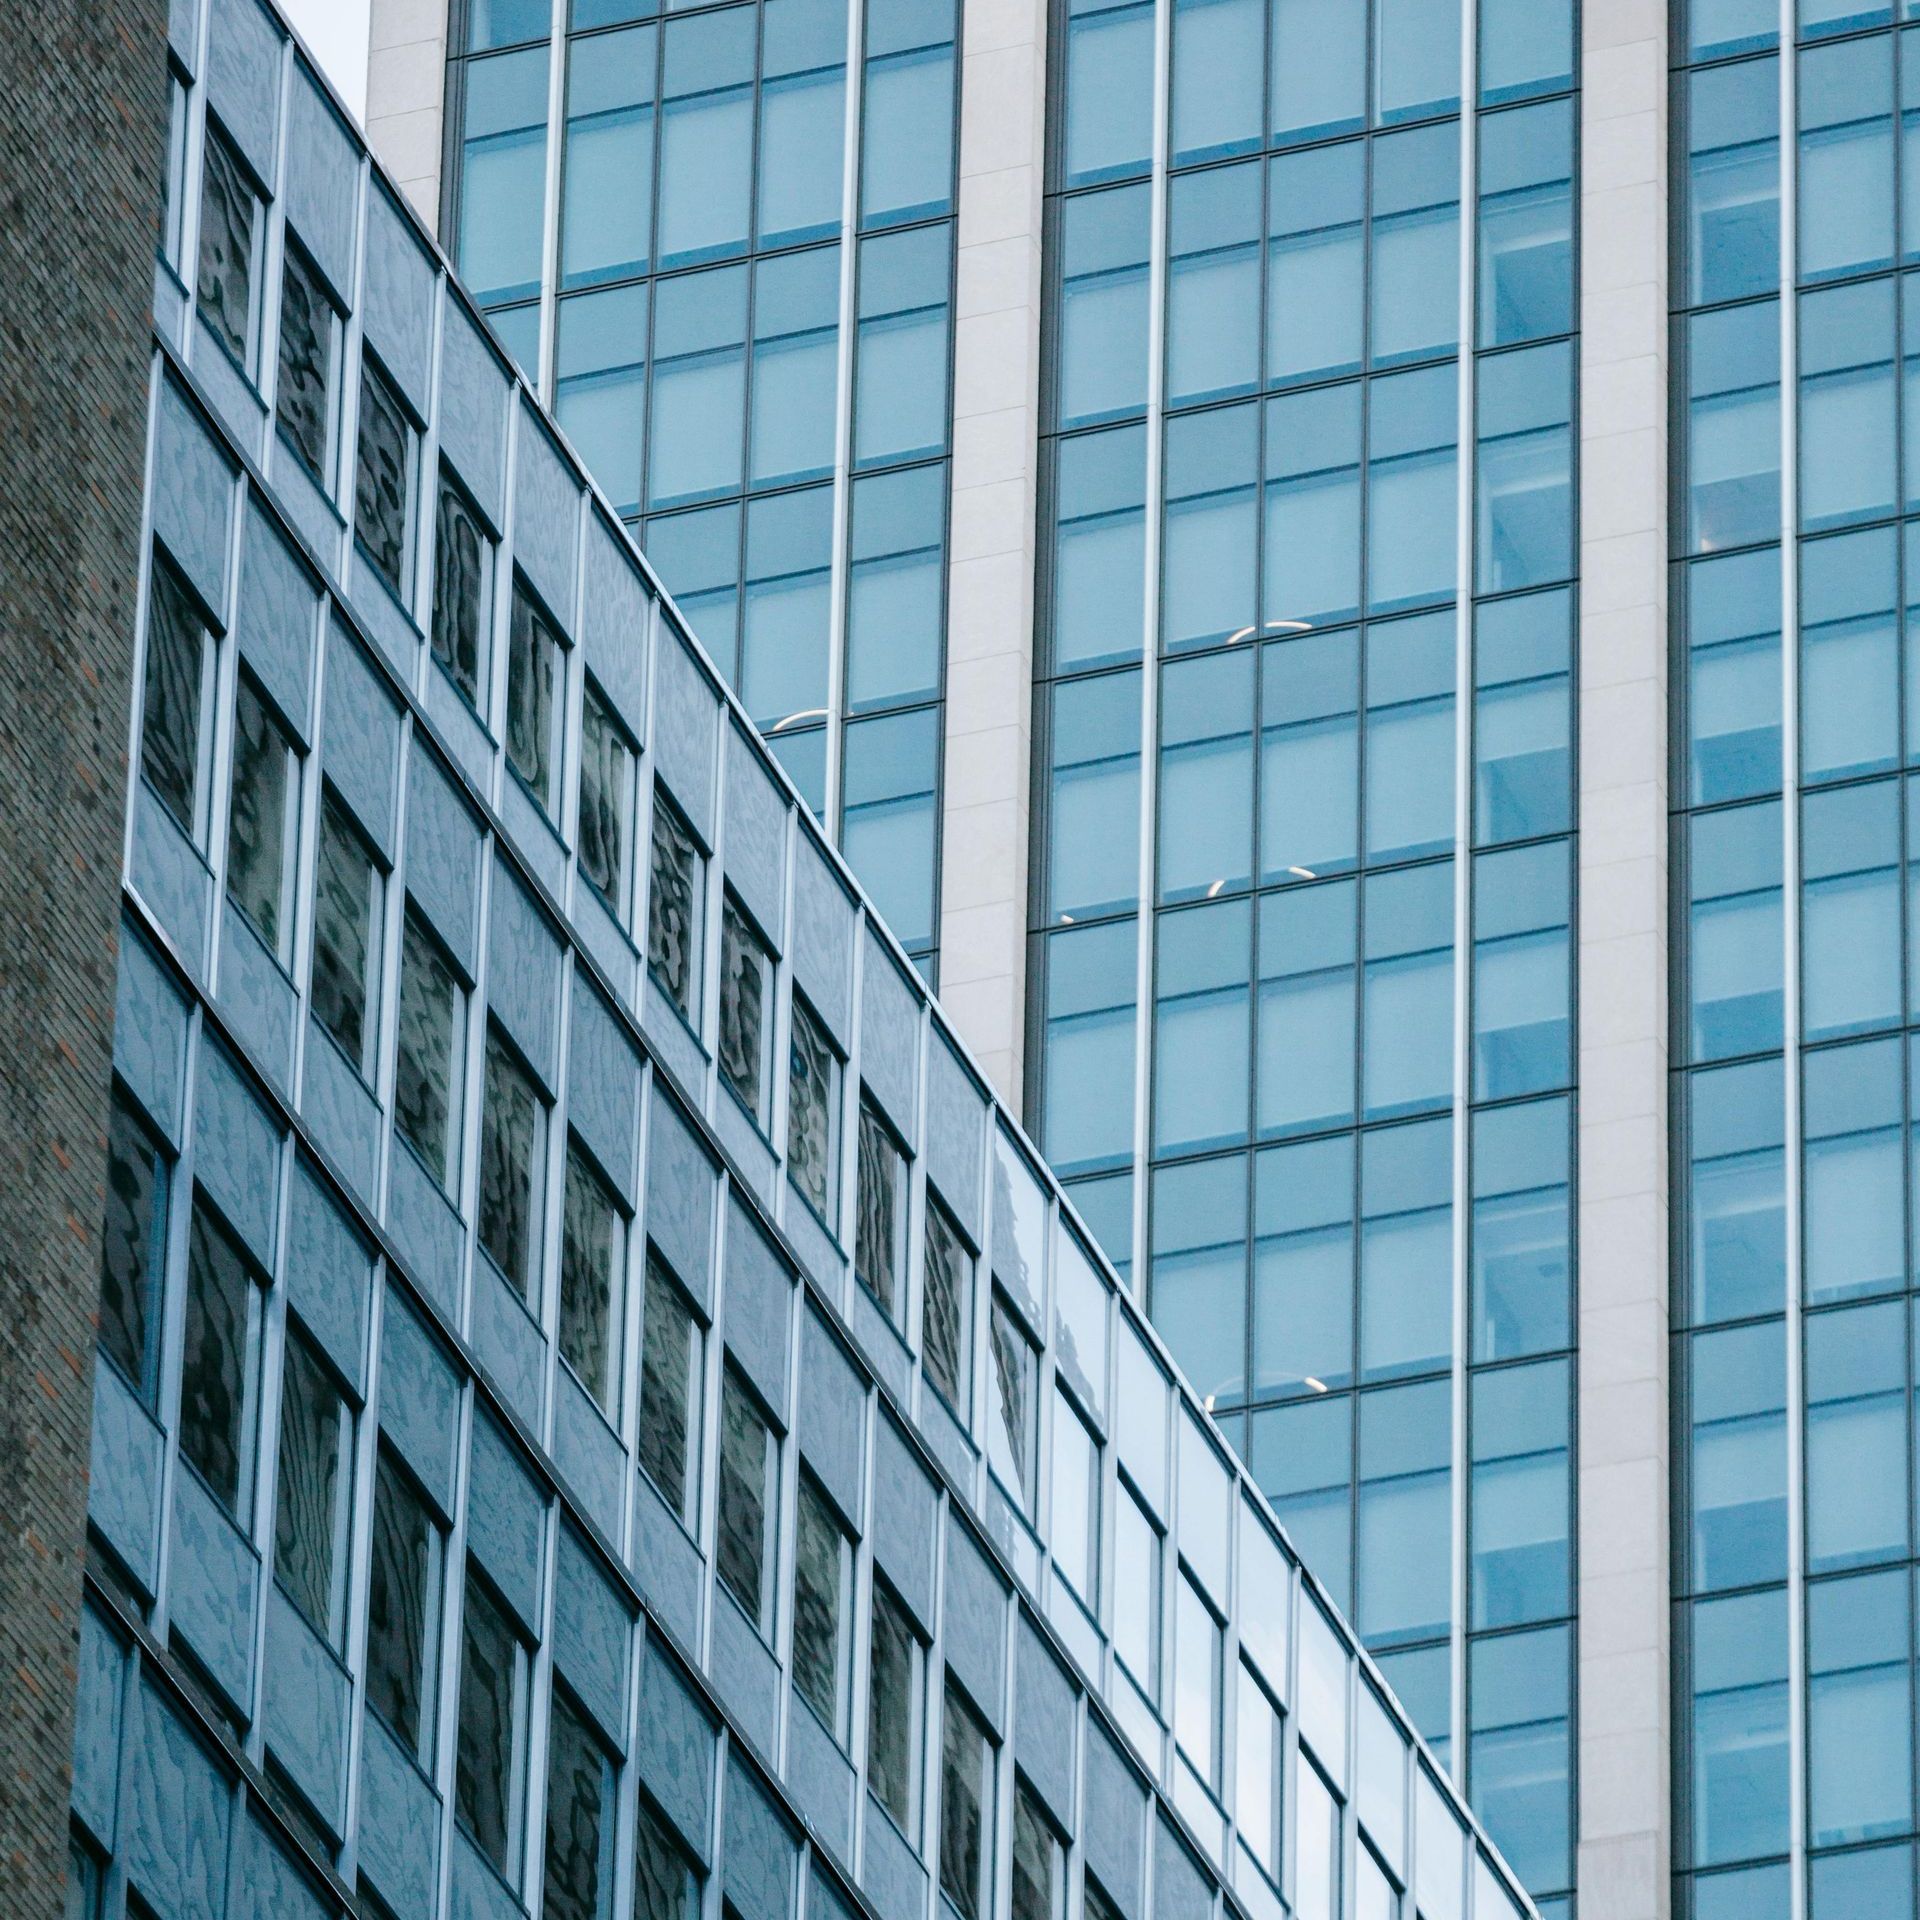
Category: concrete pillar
[996,418]
[406,98]
[1625,1734]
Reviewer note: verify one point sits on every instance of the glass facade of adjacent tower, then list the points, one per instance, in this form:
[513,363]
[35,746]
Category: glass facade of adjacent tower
[1302,902]
[729,272]
[1796,144]
[598,1411]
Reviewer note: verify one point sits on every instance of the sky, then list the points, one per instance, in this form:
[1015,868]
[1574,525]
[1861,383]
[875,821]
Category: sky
[336,33]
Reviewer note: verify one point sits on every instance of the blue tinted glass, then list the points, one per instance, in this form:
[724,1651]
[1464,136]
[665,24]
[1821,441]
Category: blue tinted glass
[796,313]
[1733,426]
[1520,1244]
[1316,261]
[699,385]
[1848,409]
[1099,560]
[1850,926]
[1859,1711]
[1302,1457]
[1211,543]
[1199,1298]
[1854,1189]
[1307,1006]
[1309,755]
[1411,460]
[1733,181]
[1522,717]
[1757,1893]
[1219,49]
[503,172]
[1524,406]
[1856,1439]
[1200,1025]
[1526,46]
[1103,304]
[1877,1881]
[1405,1515]
[1303,1264]
[1737,1467]
[1520,1756]
[1730,26]
[1733,668]
[1845,106]
[1409,736]
[1205,796]
[706,135]
[1416,57]
[1406,1213]
[698,555]
[804,755]
[1423,1681]
[1526,224]
[1736,1192]
[1408,1040]
[1733,940]
[1739,1713]
[896,589]
[505,23]
[1109,85]
[606,223]
[1416,244]
[1106,1205]
[1319,66]
[518,329]
[901,404]
[1522,1028]
[906,167]
[889,819]
[802,119]
[1093,809]
[783,663]
[601,391]
[1090,1023]
[1213,281]
[1521,1497]
[1311,536]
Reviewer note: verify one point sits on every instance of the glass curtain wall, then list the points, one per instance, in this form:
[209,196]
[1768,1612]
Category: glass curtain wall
[1794,1002]
[746,332]
[1302,905]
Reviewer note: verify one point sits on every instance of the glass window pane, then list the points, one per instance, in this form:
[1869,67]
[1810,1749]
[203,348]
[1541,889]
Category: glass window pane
[1199,1274]
[1316,263]
[748,1497]
[606,221]
[503,171]
[669,1392]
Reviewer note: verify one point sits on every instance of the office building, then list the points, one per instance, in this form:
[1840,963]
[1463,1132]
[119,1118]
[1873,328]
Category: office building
[598,1409]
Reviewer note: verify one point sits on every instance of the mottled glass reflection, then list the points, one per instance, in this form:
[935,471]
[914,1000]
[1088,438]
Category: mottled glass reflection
[674,901]
[667,1354]
[265,785]
[606,789]
[215,1389]
[426,1075]
[946,1311]
[346,936]
[461,553]
[309,1507]
[747,1498]
[820,1567]
[746,985]
[132,1244]
[171,705]
[302,397]
[812,1085]
[590,1249]
[229,230]
[509,1138]
[880,1230]
[382,476]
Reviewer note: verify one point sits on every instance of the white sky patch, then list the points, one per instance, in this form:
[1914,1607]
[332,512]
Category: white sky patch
[336,35]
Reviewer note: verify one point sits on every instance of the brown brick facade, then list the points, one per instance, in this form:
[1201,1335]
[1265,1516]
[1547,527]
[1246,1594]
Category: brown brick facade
[82,118]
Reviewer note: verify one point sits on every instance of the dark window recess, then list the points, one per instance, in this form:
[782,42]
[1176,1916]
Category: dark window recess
[589,1270]
[133,1245]
[214,1387]
[892,1708]
[606,782]
[426,1068]
[745,979]
[461,552]
[303,399]
[1096,1904]
[403,1604]
[947,1309]
[509,1147]
[673,906]
[742,1551]
[308,1513]
[533,662]
[881,1226]
[382,476]
[666,1389]
[579,1818]
[1010,1445]
[229,230]
[488,1749]
[171,702]
[964,1798]
[819,1605]
[663,1883]
[346,936]
[811,1079]
[1036,1861]
[259,835]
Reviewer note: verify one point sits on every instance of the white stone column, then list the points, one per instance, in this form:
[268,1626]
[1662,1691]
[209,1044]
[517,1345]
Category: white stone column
[1625,1734]
[406,96]
[996,409]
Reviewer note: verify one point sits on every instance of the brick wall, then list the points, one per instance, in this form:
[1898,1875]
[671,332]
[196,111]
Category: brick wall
[82,140]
